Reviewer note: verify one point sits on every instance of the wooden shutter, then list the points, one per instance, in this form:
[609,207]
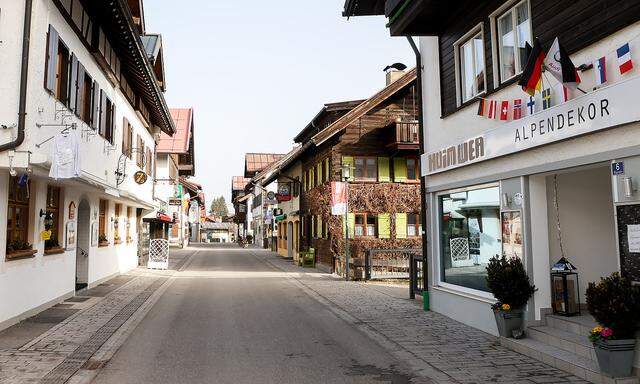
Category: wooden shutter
[348,161]
[102,113]
[320,175]
[401,225]
[112,122]
[383,170]
[73,84]
[384,226]
[80,91]
[95,106]
[304,181]
[400,170]
[312,178]
[125,136]
[327,169]
[319,226]
[51,65]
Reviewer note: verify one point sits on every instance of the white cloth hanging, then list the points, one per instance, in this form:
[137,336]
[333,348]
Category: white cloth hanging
[65,156]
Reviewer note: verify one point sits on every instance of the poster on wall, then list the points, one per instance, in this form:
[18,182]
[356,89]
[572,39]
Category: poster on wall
[629,240]
[512,234]
[70,237]
[94,234]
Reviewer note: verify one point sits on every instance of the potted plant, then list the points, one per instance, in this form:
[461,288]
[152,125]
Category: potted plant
[509,283]
[52,246]
[103,241]
[615,304]
[116,239]
[19,248]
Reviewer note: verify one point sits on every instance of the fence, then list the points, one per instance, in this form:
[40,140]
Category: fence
[158,254]
[389,263]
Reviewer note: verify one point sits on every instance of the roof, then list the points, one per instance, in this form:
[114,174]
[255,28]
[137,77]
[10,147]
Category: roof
[285,162]
[362,109]
[256,162]
[179,142]
[191,185]
[329,107]
[363,8]
[238,183]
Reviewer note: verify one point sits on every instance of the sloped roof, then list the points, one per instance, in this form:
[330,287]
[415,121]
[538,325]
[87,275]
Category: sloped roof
[256,162]
[368,105]
[179,142]
[238,183]
[343,106]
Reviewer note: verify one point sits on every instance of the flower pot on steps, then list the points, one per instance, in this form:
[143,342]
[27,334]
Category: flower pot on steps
[615,357]
[509,321]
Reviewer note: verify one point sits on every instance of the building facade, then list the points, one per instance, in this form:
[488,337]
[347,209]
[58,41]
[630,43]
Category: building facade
[73,184]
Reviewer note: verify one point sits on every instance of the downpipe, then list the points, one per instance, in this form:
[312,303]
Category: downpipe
[423,197]
[22,108]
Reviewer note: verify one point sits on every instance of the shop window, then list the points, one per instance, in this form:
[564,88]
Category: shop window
[470,235]
[514,31]
[365,225]
[366,168]
[17,216]
[414,228]
[53,208]
[102,221]
[471,75]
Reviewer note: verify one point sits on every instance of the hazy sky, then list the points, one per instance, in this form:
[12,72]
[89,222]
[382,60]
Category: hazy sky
[257,71]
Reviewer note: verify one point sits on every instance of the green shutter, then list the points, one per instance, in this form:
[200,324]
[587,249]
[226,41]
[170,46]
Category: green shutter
[348,161]
[328,171]
[319,168]
[384,226]
[352,225]
[383,170]
[399,170]
[319,226]
[401,225]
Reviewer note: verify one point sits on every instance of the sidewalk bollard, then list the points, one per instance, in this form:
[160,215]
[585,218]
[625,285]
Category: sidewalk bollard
[425,300]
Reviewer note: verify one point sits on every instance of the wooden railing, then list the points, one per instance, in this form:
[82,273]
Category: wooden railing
[407,132]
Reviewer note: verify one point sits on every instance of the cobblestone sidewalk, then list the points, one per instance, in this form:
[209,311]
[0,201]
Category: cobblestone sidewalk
[440,348]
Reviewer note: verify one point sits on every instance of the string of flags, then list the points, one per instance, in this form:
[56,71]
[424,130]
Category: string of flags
[557,62]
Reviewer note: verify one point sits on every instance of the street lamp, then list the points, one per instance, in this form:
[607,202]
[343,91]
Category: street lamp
[346,175]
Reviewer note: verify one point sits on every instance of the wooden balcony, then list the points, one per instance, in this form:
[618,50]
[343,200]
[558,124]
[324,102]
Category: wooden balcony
[404,136]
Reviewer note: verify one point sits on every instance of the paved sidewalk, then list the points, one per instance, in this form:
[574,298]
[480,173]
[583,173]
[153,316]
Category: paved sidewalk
[55,355]
[436,346]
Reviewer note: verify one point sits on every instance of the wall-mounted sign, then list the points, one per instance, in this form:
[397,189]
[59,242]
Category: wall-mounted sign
[140,177]
[72,211]
[284,192]
[94,234]
[70,235]
[617,168]
[603,108]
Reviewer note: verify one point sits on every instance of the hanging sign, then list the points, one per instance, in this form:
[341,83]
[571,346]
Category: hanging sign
[603,108]
[284,192]
[271,198]
[140,177]
[45,235]
[338,198]
[72,211]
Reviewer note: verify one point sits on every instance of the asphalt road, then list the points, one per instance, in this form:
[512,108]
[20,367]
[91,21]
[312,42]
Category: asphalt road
[230,317]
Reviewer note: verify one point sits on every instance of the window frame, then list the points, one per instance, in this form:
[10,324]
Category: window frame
[103,207]
[56,211]
[25,205]
[507,8]
[417,226]
[366,177]
[416,168]
[477,30]
[365,225]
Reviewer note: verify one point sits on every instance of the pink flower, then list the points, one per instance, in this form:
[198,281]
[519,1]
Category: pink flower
[607,332]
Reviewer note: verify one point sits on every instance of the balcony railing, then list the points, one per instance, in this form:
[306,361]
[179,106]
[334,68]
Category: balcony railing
[407,132]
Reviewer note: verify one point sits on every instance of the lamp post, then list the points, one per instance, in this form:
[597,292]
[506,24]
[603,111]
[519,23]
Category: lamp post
[346,174]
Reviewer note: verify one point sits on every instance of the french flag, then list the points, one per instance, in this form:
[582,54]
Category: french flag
[600,66]
[624,58]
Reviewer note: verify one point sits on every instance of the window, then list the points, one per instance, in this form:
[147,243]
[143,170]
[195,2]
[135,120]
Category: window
[366,168]
[412,169]
[116,224]
[366,225]
[102,219]
[296,187]
[149,161]
[107,115]
[128,224]
[53,208]
[18,212]
[57,67]
[139,152]
[470,235]
[470,55]
[86,109]
[413,224]
[514,31]
[127,137]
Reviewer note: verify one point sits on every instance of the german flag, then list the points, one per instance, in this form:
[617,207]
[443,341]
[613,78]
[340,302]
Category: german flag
[531,76]
[482,107]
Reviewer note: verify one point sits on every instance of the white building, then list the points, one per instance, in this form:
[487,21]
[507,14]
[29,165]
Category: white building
[78,68]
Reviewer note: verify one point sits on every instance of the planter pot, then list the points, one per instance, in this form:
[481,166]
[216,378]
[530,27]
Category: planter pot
[21,254]
[509,321]
[615,357]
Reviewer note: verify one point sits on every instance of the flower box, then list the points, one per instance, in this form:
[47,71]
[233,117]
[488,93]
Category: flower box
[21,254]
[103,244]
[53,251]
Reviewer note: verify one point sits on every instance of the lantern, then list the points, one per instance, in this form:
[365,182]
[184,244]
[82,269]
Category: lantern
[565,289]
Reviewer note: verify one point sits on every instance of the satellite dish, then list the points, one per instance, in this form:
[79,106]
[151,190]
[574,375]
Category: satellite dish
[396,66]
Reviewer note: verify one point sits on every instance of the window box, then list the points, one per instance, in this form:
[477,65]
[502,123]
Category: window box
[117,241]
[21,254]
[103,244]
[53,251]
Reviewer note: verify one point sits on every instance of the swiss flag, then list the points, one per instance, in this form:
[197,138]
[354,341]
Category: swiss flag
[504,110]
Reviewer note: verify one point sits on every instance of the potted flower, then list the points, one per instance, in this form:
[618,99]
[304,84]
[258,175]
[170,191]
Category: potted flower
[103,241]
[509,283]
[52,246]
[615,304]
[18,248]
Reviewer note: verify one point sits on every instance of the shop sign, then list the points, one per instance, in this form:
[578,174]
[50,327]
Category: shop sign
[140,177]
[271,198]
[601,109]
[284,192]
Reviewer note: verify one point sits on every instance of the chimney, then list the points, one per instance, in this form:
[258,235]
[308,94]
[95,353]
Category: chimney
[393,75]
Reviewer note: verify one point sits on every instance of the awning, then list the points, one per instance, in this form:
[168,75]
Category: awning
[159,217]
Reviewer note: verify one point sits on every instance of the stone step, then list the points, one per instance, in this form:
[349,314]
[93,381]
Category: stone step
[579,325]
[568,341]
[579,366]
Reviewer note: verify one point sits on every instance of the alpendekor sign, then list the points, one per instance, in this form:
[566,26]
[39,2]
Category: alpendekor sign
[604,108]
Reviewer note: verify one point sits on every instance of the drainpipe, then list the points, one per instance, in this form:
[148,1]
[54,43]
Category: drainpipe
[423,197]
[22,108]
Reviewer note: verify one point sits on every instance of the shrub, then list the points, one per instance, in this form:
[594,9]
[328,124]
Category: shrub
[615,303]
[508,281]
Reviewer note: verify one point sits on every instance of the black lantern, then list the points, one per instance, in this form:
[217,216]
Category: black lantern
[565,289]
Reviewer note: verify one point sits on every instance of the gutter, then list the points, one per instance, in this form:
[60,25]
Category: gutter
[423,195]
[396,15]
[22,108]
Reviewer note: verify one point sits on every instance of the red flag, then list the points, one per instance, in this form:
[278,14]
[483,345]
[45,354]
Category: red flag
[482,107]
[504,110]
[493,109]
[517,109]
[338,198]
